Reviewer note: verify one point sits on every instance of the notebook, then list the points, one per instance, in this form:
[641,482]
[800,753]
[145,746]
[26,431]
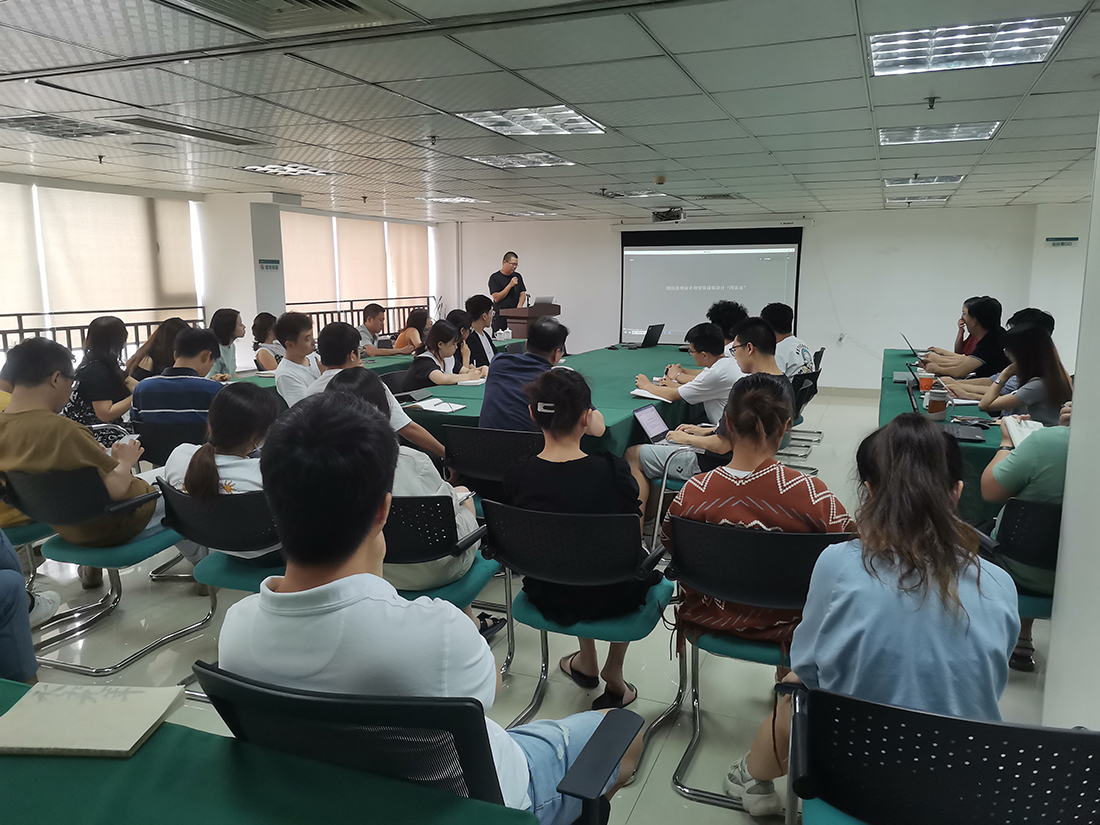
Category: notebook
[435,405]
[85,720]
[472,382]
[640,393]
[1020,430]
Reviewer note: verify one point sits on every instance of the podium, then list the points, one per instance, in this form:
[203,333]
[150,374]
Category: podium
[519,318]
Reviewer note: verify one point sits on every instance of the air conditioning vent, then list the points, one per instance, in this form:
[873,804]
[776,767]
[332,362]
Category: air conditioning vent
[286,17]
[59,127]
[189,131]
[718,196]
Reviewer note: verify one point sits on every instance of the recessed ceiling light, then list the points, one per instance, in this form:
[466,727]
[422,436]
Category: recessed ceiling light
[521,161]
[455,199]
[947,133]
[917,199]
[545,120]
[53,126]
[289,170]
[629,193]
[966,47]
[531,214]
[916,180]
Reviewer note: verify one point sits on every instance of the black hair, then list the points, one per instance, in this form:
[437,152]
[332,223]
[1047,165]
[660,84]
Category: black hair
[558,399]
[262,324]
[370,310]
[224,325]
[508,255]
[986,311]
[327,466]
[545,335]
[727,315]
[440,333]
[1036,356]
[160,348]
[460,318]
[758,332]
[365,384]
[104,343]
[478,305]
[706,338]
[31,363]
[191,342]
[759,408]
[336,342]
[418,320]
[780,316]
[1031,315]
[290,325]
[239,413]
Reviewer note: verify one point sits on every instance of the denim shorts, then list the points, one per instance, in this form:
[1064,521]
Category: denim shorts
[551,747]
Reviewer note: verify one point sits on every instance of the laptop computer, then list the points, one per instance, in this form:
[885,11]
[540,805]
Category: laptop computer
[652,337]
[544,299]
[655,428]
[959,432]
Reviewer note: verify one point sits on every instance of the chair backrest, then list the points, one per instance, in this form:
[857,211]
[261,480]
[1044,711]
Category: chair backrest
[883,764]
[420,528]
[160,439]
[805,388]
[760,568]
[259,367]
[1028,533]
[817,358]
[237,522]
[516,348]
[438,742]
[394,380]
[488,454]
[58,497]
[564,548]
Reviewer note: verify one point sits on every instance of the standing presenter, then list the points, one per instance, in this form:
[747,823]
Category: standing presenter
[507,288]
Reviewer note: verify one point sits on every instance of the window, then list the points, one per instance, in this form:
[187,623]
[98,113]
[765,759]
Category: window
[20,285]
[309,259]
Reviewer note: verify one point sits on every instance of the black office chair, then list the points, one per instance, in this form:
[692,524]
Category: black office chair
[438,742]
[516,347]
[395,381]
[736,564]
[1028,534]
[817,358]
[484,457]
[259,367]
[885,765]
[802,441]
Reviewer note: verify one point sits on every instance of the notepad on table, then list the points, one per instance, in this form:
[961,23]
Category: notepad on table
[85,720]
[640,393]
[1019,430]
[472,382]
[435,405]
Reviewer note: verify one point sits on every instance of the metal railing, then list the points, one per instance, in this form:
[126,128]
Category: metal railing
[350,311]
[70,328]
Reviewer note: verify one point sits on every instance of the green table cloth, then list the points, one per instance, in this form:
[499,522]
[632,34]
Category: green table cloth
[894,400]
[183,776]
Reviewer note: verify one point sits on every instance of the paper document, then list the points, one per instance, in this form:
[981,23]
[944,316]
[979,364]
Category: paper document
[472,382]
[85,720]
[640,393]
[1020,430]
[435,405]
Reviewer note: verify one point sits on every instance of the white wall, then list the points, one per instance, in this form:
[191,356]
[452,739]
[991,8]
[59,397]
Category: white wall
[1058,272]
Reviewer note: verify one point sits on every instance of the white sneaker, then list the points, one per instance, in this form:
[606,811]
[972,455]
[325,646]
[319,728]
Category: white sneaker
[44,604]
[757,798]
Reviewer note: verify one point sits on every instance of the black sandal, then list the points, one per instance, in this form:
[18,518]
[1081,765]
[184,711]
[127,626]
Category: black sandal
[1023,657]
[490,625]
[581,680]
[607,699]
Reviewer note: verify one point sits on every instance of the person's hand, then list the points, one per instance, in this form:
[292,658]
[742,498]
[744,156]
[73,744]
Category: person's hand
[643,382]
[673,370]
[405,350]
[221,376]
[1007,372]
[962,324]
[694,429]
[483,372]
[678,436]
[127,453]
[514,281]
[1065,414]
[131,382]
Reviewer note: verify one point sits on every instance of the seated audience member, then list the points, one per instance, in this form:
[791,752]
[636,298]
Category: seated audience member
[103,390]
[727,315]
[333,624]
[908,614]
[299,369]
[974,388]
[965,341]
[9,516]
[17,617]
[228,326]
[370,331]
[504,405]
[1035,471]
[710,387]
[429,368]
[791,353]
[462,360]
[982,317]
[565,479]
[180,395]
[1043,385]
[158,353]
[480,340]
[240,416]
[414,331]
[415,476]
[753,490]
[269,352]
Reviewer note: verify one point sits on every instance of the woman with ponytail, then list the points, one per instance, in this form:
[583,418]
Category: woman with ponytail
[239,418]
[907,614]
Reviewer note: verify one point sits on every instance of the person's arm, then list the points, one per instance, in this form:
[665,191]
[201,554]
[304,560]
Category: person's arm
[960,369]
[993,401]
[522,299]
[993,490]
[960,337]
[643,382]
[500,296]
[422,438]
[596,425]
[118,480]
[445,378]
[972,389]
[107,412]
[711,442]
[266,359]
[376,352]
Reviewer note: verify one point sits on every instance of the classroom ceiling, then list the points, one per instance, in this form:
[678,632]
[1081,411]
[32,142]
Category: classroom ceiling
[743,107]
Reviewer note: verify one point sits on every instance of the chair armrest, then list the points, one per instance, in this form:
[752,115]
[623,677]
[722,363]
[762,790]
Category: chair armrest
[798,770]
[131,503]
[987,545]
[593,767]
[467,541]
[649,563]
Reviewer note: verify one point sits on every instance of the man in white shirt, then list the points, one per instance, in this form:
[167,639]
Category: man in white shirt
[791,353]
[299,368]
[333,624]
[480,339]
[709,387]
[374,320]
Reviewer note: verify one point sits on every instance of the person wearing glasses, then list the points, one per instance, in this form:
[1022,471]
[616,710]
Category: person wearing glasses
[507,288]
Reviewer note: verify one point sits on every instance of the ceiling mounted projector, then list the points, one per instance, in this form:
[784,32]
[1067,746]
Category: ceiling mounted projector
[673,214]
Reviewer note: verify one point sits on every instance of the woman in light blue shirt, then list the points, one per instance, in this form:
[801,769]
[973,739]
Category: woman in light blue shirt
[905,615]
[227,326]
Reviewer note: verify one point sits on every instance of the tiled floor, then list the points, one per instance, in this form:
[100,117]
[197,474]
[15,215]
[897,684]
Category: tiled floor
[736,696]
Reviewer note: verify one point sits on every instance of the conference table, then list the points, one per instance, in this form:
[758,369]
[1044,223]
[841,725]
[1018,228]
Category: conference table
[181,776]
[894,400]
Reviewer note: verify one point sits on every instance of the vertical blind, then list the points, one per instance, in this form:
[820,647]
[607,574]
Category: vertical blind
[361,249]
[20,287]
[309,260]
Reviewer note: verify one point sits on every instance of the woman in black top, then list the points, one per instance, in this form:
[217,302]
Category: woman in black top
[564,479]
[461,361]
[430,365]
[158,353]
[100,381]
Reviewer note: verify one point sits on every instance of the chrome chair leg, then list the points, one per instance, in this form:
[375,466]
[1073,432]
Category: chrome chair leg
[540,689]
[668,713]
[99,609]
[158,574]
[802,468]
[196,695]
[795,450]
[510,626]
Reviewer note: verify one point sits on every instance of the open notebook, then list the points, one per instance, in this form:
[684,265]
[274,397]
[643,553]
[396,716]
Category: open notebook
[434,404]
[1019,430]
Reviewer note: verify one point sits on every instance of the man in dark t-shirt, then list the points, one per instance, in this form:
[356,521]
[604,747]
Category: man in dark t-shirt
[507,288]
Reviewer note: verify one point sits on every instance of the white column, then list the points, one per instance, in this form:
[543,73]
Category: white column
[1074,670]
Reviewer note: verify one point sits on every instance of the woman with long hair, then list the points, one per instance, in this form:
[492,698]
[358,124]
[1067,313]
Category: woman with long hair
[227,326]
[1043,385]
[269,352]
[416,327]
[907,614]
[462,360]
[430,365]
[159,352]
[102,385]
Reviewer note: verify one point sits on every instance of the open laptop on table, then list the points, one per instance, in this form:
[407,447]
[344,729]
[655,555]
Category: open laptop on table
[655,428]
[544,299]
[959,432]
[652,337]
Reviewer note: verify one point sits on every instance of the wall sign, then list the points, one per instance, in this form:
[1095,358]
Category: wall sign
[269,264]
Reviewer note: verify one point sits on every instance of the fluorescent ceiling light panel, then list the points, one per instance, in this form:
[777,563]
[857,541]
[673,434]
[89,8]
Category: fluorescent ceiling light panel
[52,126]
[947,133]
[289,170]
[531,214]
[966,47]
[522,161]
[630,193]
[455,199]
[916,180]
[918,199]
[545,120]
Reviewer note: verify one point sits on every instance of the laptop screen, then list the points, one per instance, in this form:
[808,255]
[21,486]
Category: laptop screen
[652,424]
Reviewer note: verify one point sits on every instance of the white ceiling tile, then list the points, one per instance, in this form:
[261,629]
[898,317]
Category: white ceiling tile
[802,124]
[1047,143]
[831,167]
[1070,76]
[890,17]
[963,148]
[803,156]
[962,84]
[349,103]
[236,112]
[712,165]
[687,109]
[617,154]
[861,139]
[40,98]
[964,111]
[1048,126]
[422,127]
[821,177]
[637,79]
[23,51]
[673,132]
[804,97]
[412,58]
[1085,40]
[1058,104]
[782,65]
[259,73]
[707,148]
[142,87]
[474,93]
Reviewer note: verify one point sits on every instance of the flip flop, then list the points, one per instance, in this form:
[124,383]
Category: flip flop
[490,625]
[607,699]
[581,680]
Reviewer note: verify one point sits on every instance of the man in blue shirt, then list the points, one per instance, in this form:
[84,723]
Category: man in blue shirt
[180,395]
[505,407]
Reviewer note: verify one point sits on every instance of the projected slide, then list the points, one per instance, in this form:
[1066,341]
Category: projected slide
[674,285]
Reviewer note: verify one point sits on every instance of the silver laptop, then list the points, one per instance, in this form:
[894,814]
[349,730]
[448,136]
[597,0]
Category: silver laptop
[544,299]
[655,428]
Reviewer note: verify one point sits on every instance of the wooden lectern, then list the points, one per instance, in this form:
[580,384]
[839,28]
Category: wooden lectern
[519,318]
